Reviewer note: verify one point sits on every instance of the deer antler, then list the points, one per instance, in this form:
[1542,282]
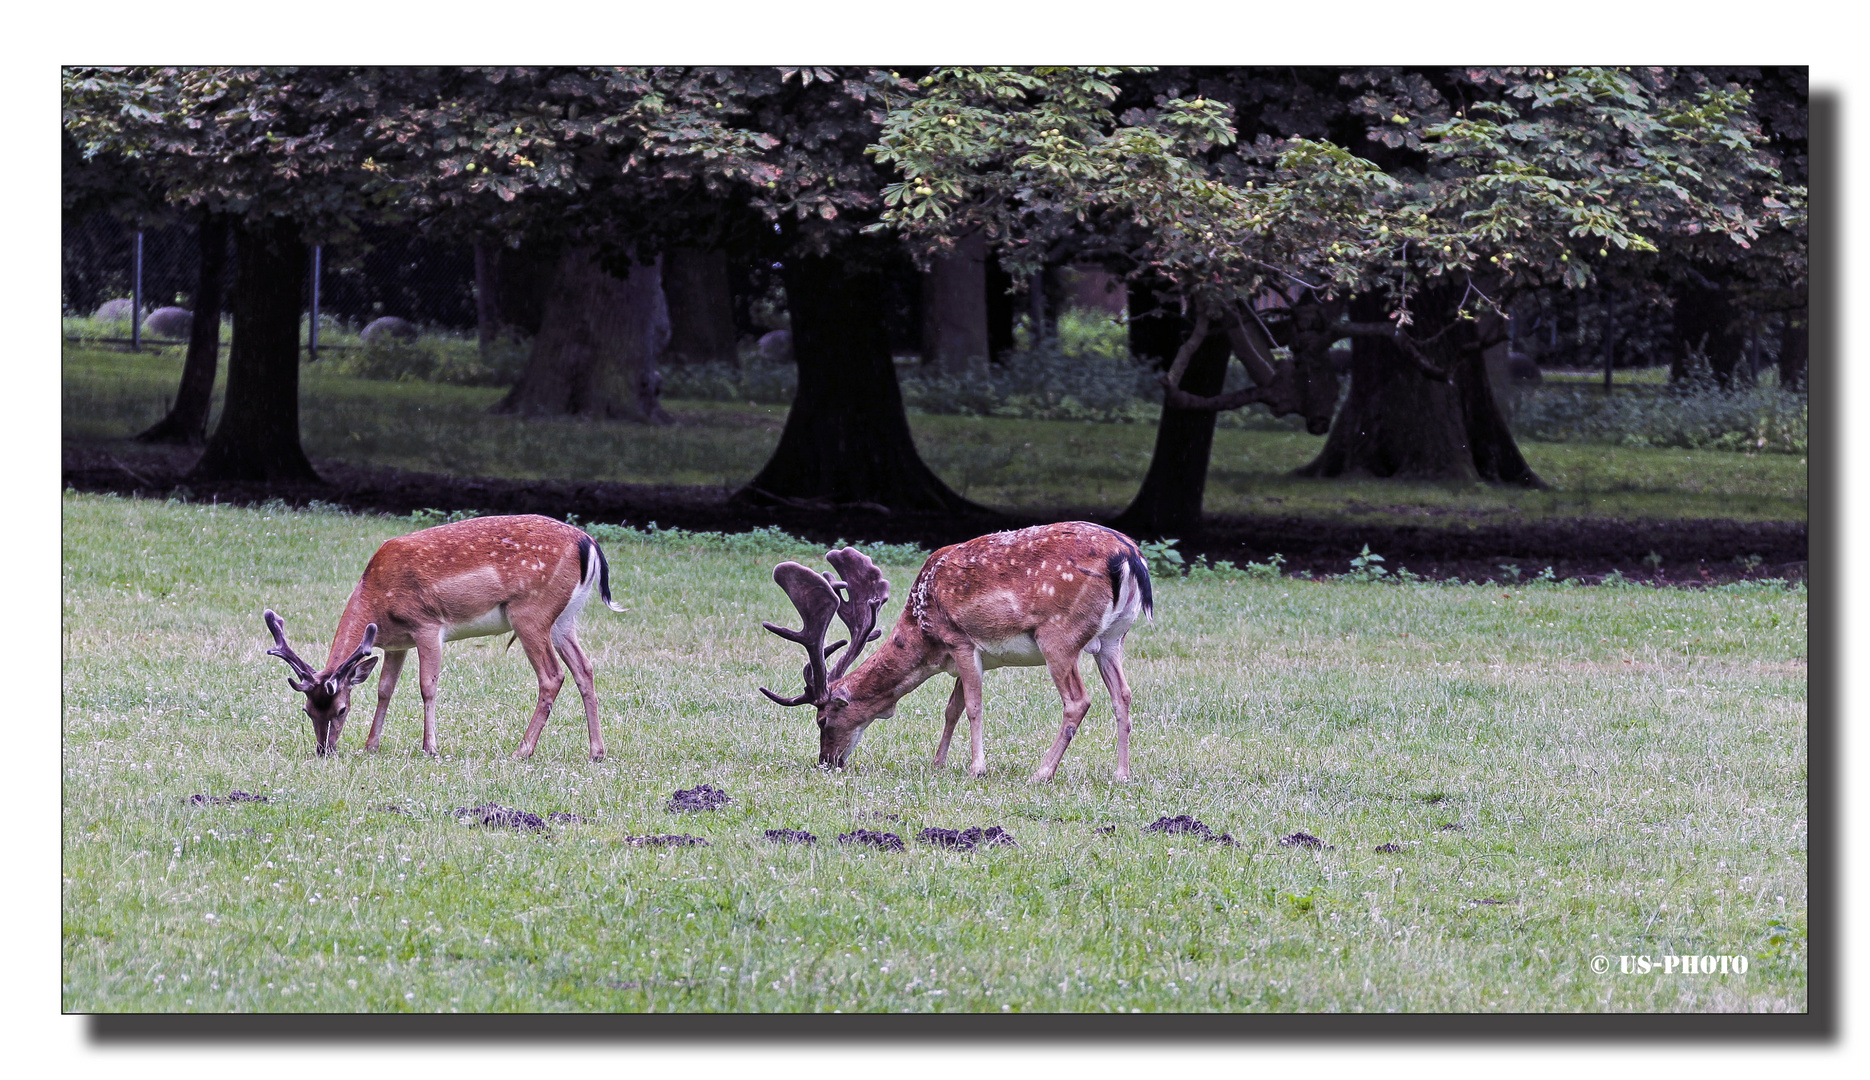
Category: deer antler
[357,656]
[812,594]
[865,590]
[284,651]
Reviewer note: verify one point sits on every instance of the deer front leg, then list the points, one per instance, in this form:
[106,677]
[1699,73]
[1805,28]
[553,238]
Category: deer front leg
[956,702]
[1063,665]
[386,686]
[583,674]
[429,659]
[1110,666]
[537,640]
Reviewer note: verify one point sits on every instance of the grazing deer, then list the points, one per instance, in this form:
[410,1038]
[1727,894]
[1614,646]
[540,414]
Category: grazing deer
[1036,596]
[528,575]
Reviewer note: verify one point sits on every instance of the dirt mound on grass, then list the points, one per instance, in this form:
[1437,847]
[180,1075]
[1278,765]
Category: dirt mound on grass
[697,798]
[968,839]
[494,814]
[670,840]
[887,841]
[1182,823]
[222,800]
[790,836]
[1304,840]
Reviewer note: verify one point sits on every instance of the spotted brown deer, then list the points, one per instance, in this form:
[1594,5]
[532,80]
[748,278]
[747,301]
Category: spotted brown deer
[1036,596]
[528,575]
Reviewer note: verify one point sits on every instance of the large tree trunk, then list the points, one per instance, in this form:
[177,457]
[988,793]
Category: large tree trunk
[954,309]
[598,345]
[258,434]
[701,308]
[1169,502]
[187,422]
[1793,349]
[1403,421]
[1000,311]
[846,438]
[511,286]
[1706,323]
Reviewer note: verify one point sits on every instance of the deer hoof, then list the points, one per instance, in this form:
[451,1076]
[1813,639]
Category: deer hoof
[1041,777]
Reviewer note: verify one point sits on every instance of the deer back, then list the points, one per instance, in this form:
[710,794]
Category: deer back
[1007,584]
[456,573]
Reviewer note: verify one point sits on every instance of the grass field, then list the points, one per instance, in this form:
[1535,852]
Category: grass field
[1007,463]
[1626,767]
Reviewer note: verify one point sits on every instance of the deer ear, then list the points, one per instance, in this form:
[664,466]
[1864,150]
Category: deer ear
[362,670]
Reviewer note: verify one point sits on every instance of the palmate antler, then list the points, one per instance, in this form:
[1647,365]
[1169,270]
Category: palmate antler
[854,600]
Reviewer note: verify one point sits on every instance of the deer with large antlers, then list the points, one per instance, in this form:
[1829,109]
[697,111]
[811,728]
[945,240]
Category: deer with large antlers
[1038,596]
[527,575]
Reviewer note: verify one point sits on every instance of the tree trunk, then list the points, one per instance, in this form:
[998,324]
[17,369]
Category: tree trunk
[1705,325]
[257,438]
[1793,349]
[187,422]
[1400,421]
[1169,502]
[510,289]
[846,438]
[1000,305]
[598,345]
[954,309]
[701,308]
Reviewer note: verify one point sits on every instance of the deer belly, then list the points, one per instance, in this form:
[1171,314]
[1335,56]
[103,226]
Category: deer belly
[491,621]
[1020,650]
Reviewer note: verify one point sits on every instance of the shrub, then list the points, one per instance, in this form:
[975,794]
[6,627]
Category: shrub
[1759,419]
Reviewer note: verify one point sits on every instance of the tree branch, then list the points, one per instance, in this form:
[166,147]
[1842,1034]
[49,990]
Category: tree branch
[1187,352]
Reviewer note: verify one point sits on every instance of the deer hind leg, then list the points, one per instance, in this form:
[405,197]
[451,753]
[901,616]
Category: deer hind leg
[386,686]
[429,657]
[968,675]
[585,676]
[536,637]
[1063,664]
[1110,666]
[956,702]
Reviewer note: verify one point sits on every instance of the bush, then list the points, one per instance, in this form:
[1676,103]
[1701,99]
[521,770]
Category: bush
[454,361]
[1760,419]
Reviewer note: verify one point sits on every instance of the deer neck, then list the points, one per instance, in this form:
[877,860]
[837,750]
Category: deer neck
[906,660]
[358,614]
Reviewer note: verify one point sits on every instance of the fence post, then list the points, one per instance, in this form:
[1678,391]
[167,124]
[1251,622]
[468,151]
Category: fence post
[1610,336]
[318,262]
[136,294]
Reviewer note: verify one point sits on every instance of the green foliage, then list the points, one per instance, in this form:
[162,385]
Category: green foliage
[1752,420]
[1162,558]
[429,358]
[1364,567]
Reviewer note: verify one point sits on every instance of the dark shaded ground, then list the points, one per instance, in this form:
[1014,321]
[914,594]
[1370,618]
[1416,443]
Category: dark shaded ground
[1693,552]
[888,841]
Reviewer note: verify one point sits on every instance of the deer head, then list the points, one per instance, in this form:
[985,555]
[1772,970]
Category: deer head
[327,693]
[854,595]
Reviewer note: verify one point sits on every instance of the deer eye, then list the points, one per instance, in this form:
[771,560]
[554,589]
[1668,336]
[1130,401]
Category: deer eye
[343,711]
